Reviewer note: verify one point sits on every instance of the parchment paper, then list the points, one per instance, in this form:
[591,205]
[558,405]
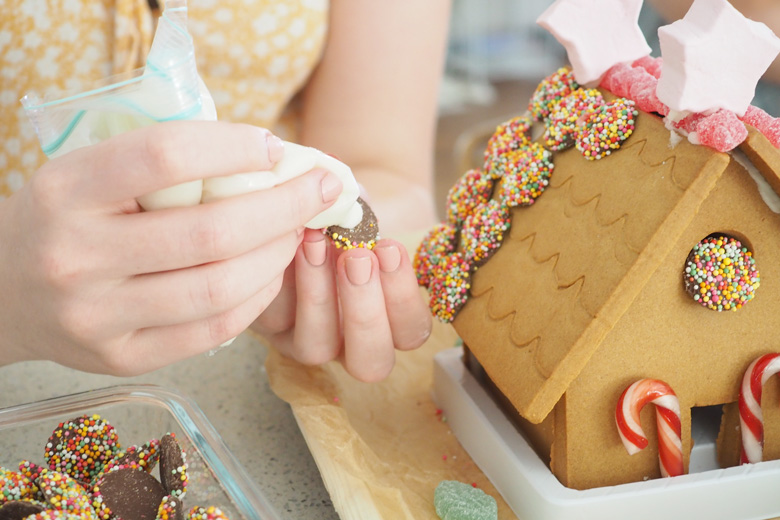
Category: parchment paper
[381,448]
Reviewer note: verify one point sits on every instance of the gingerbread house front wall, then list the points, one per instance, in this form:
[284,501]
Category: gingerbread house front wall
[702,354]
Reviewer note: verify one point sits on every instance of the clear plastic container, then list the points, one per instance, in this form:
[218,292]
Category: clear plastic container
[140,413]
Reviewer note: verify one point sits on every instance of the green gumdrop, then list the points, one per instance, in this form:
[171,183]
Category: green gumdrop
[455,500]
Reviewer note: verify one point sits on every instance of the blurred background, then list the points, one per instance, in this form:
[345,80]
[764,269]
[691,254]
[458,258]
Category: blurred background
[496,57]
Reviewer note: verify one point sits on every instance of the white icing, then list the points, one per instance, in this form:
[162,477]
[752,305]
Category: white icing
[771,198]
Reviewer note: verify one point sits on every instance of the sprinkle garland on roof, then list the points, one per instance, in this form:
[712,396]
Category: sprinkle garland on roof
[449,287]
[561,125]
[437,244]
[721,274]
[511,135]
[483,232]
[474,188]
[523,169]
[605,129]
[528,178]
[550,91]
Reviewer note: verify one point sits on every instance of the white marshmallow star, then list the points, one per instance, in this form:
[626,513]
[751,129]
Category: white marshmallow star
[596,34]
[713,59]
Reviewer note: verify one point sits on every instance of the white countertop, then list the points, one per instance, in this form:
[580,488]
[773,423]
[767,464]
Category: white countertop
[232,389]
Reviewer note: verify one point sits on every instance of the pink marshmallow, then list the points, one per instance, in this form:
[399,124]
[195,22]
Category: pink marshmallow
[596,35]
[713,58]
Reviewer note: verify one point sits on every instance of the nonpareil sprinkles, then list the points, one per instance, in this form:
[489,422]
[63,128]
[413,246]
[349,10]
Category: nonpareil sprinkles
[721,274]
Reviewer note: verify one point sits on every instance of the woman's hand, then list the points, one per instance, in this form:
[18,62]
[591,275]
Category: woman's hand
[90,281]
[357,306]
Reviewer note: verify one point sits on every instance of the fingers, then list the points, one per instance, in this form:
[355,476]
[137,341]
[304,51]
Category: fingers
[181,237]
[157,347]
[358,308]
[317,336]
[369,355]
[187,295]
[407,311]
[144,160]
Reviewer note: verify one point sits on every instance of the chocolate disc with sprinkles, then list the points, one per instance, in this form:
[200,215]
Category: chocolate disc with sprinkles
[508,136]
[720,273]
[170,509]
[64,493]
[527,178]
[127,493]
[550,91]
[20,509]
[437,244]
[206,513]
[365,234]
[173,467]
[561,125]
[16,486]
[605,129]
[473,189]
[483,232]
[144,456]
[449,288]
[81,447]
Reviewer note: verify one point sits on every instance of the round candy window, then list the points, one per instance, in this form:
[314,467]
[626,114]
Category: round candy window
[720,273]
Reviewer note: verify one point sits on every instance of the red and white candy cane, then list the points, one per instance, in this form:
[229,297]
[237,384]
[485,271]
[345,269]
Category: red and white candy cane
[667,408]
[750,417]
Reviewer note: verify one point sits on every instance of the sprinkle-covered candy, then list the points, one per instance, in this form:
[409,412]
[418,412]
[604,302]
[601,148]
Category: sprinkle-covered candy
[550,91]
[437,244]
[15,486]
[173,466]
[562,121]
[524,183]
[170,509]
[449,287]
[606,128]
[81,447]
[473,189]
[720,274]
[206,513]
[65,494]
[510,135]
[483,232]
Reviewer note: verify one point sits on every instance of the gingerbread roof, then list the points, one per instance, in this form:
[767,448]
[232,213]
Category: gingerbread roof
[574,261]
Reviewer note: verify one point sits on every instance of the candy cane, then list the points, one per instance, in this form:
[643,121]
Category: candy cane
[667,409]
[750,417]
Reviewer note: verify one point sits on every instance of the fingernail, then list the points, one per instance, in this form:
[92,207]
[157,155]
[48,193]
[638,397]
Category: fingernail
[389,258]
[275,147]
[331,187]
[358,270]
[315,251]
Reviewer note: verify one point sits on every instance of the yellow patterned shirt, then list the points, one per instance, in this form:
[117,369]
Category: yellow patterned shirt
[254,56]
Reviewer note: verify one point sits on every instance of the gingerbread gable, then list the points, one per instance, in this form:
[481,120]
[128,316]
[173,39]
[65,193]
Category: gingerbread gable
[574,261]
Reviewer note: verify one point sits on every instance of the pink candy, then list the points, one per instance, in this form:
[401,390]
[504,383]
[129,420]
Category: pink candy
[635,83]
[764,123]
[722,131]
[650,64]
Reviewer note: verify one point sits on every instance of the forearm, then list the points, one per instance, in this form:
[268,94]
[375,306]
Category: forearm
[401,205]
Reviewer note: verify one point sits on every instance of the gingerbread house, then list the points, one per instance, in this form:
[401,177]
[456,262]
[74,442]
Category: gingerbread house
[566,276]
